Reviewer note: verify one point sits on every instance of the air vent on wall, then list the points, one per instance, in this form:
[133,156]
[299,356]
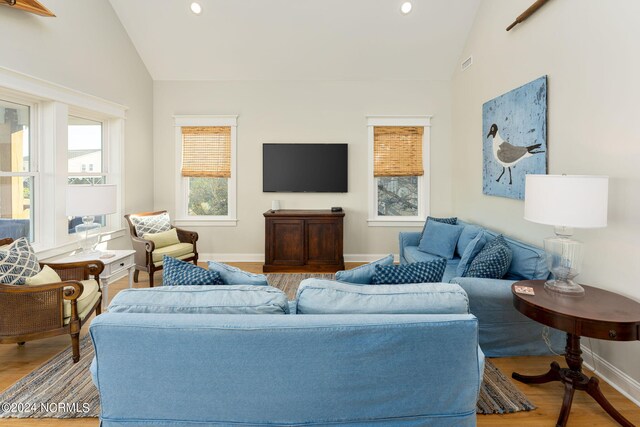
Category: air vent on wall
[467,63]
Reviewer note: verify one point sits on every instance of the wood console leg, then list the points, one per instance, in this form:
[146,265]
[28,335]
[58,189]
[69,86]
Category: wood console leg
[593,388]
[552,375]
[566,405]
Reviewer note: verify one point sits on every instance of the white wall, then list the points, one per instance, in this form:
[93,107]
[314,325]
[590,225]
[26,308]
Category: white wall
[86,48]
[310,111]
[588,48]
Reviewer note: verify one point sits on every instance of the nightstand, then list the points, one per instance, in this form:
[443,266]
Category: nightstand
[114,267]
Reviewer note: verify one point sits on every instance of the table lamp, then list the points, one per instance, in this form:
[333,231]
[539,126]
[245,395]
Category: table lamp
[566,202]
[89,201]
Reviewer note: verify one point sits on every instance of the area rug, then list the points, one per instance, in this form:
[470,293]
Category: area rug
[62,389]
[288,282]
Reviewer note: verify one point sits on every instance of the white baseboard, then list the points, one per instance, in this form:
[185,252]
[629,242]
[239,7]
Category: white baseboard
[260,257]
[627,386]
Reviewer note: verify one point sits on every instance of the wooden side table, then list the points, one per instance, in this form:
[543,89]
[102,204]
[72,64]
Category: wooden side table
[597,314]
[113,268]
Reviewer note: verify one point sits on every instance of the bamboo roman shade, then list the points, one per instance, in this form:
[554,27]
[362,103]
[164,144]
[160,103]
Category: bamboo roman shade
[206,151]
[397,151]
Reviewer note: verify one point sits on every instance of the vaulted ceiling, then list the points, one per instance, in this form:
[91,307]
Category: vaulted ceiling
[298,39]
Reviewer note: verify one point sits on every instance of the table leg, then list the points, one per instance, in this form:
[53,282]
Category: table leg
[573,379]
[131,270]
[105,294]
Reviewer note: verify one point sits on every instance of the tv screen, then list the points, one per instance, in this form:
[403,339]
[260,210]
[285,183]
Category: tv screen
[313,168]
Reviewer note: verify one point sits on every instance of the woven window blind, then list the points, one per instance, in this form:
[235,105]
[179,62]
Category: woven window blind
[397,151]
[206,151]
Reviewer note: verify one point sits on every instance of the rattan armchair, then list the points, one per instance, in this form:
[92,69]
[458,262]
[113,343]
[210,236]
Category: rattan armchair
[145,248]
[33,312]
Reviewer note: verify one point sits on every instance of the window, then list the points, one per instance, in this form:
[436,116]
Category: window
[17,171]
[52,137]
[85,146]
[206,189]
[398,170]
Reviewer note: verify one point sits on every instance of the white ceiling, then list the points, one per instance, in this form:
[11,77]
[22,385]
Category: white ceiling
[298,39]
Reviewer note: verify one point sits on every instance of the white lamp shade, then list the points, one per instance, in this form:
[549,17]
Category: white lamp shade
[578,201]
[91,200]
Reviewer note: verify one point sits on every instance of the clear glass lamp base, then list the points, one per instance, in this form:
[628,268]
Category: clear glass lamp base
[567,287]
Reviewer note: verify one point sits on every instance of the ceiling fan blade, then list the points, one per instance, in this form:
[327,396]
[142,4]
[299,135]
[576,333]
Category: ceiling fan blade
[32,6]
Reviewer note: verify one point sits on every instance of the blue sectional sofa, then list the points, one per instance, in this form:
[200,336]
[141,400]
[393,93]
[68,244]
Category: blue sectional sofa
[209,367]
[503,330]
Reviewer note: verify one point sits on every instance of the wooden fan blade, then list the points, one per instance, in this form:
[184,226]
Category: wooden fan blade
[32,6]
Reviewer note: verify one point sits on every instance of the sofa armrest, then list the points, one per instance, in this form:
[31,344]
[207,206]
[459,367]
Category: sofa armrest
[186,236]
[408,238]
[144,250]
[486,292]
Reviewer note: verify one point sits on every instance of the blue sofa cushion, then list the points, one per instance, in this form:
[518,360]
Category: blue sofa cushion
[469,233]
[317,296]
[220,299]
[528,263]
[450,220]
[413,254]
[177,273]
[363,274]
[418,272]
[234,276]
[440,239]
[470,253]
[493,260]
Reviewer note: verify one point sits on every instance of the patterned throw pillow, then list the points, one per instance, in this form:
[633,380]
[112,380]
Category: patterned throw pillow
[493,261]
[151,223]
[451,221]
[177,273]
[18,262]
[417,272]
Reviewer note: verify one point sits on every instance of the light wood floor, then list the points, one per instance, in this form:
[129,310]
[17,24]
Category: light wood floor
[16,362]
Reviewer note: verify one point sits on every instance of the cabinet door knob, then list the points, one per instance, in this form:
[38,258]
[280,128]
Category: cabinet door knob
[612,334]
[122,264]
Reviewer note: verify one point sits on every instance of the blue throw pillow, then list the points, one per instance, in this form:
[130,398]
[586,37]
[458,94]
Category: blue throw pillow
[451,221]
[417,272]
[363,275]
[440,239]
[234,276]
[176,273]
[493,260]
[470,253]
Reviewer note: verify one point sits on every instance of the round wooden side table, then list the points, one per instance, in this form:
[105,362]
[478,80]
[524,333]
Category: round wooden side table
[597,314]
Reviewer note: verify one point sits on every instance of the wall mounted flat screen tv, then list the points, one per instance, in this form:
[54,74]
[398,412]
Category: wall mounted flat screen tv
[312,168]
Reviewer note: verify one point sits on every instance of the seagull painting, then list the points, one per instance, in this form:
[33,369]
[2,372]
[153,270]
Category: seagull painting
[509,155]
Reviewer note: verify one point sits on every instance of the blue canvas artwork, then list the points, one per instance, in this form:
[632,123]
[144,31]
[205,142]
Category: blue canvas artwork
[514,131]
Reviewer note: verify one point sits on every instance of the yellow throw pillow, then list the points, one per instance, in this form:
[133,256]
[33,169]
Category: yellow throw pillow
[47,275]
[163,239]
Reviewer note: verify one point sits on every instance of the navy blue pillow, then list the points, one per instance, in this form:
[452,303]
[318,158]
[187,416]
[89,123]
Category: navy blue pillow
[451,221]
[417,272]
[176,273]
[493,261]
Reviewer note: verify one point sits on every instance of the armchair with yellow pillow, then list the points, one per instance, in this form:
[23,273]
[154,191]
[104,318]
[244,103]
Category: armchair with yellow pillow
[153,237]
[40,300]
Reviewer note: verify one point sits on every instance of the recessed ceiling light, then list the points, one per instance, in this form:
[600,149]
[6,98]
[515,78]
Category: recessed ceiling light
[406,7]
[196,8]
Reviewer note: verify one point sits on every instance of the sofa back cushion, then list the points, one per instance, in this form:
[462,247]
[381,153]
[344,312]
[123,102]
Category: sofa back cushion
[234,276]
[363,274]
[237,299]
[469,233]
[318,296]
[527,263]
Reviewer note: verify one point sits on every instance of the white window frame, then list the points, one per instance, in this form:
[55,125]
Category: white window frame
[424,181]
[52,105]
[33,172]
[182,216]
